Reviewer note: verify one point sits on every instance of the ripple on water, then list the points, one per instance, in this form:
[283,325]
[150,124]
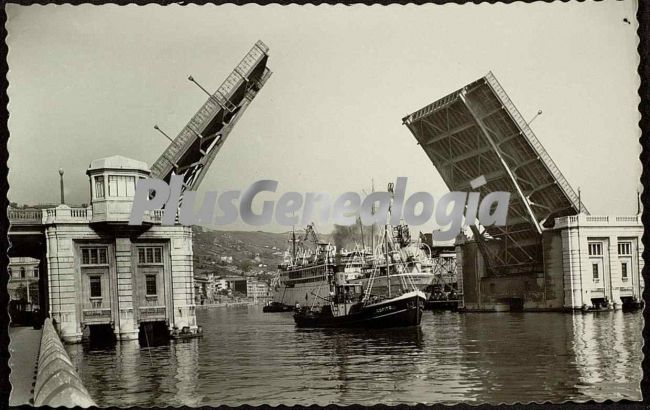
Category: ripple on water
[249,357]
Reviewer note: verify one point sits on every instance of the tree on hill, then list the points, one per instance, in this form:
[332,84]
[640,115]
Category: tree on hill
[245,265]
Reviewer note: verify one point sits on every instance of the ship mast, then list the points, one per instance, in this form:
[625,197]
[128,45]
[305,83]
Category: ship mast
[386,256]
[293,244]
[372,227]
[390,206]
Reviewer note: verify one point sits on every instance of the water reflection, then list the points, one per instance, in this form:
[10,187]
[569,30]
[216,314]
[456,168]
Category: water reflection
[130,375]
[250,357]
[608,355]
[357,362]
[517,357]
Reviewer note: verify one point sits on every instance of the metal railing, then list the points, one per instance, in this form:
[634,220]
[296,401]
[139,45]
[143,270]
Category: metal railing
[534,142]
[433,107]
[219,100]
[632,218]
[24,216]
[598,220]
[68,215]
[79,213]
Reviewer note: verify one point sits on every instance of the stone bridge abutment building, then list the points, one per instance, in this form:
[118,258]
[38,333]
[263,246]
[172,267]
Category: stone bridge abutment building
[100,271]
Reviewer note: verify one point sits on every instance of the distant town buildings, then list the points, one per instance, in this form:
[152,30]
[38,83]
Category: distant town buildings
[257,289]
[23,279]
[211,287]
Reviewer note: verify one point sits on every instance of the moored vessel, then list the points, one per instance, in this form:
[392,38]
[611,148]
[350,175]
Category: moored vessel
[275,307]
[353,304]
[349,308]
[302,277]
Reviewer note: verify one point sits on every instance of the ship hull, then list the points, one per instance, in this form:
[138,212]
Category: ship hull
[276,308]
[421,281]
[398,312]
[316,293]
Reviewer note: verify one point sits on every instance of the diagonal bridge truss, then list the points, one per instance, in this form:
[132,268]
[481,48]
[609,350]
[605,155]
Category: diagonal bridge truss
[477,131]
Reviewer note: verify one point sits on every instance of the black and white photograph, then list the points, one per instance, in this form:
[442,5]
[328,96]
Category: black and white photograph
[324,204]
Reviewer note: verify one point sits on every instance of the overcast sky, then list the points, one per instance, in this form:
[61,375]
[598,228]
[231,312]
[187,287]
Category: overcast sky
[91,81]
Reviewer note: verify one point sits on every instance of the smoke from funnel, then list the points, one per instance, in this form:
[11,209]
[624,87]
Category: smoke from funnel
[346,237]
[343,236]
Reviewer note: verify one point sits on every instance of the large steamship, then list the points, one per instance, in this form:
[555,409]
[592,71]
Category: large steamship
[398,264]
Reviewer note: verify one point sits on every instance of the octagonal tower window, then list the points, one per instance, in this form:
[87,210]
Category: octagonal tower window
[99,186]
[121,185]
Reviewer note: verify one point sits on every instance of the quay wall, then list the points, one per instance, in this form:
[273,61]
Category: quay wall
[57,381]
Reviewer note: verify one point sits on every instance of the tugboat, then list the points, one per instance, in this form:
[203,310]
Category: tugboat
[350,306]
[442,297]
[305,269]
[343,311]
[185,333]
[275,307]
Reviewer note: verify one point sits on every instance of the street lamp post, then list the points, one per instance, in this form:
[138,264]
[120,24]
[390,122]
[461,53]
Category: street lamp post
[539,112]
[61,180]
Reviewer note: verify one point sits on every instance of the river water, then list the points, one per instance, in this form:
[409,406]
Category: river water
[250,357]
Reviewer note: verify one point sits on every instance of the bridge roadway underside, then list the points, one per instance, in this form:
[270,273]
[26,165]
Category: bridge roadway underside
[478,132]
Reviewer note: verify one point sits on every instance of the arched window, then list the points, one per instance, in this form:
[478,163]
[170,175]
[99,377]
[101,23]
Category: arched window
[22,273]
[9,271]
[35,272]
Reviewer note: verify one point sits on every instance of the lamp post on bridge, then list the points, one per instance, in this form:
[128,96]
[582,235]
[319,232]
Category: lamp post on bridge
[539,112]
[61,179]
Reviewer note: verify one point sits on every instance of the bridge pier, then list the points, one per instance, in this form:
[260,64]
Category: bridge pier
[100,277]
[590,262]
[126,327]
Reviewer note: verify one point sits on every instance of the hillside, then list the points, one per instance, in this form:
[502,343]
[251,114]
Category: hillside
[248,251]
[257,252]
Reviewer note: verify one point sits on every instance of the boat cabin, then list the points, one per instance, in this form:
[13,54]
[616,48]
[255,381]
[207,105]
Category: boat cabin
[348,293]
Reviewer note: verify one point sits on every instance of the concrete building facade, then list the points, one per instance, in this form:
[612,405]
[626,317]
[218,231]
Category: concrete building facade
[23,279]
[256,288]
[589,262]
[102,271]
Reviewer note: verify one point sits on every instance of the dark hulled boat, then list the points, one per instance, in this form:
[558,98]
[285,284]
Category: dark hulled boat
[350,305]
[442,297]
[185,333]
[350,309]
[276,307]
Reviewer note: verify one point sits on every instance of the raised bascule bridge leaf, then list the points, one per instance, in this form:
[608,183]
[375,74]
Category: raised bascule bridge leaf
[476,131]
[193,150]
